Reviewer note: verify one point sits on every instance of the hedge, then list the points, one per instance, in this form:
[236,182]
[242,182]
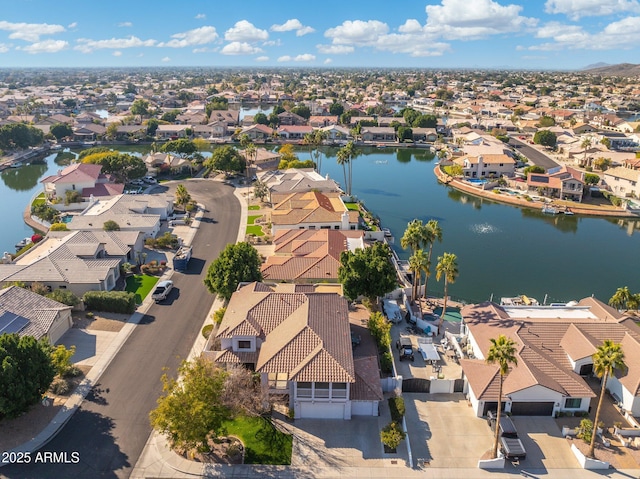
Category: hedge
[396,408]
[110,301]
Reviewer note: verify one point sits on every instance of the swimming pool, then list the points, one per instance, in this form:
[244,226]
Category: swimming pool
[66,218]
[478,181]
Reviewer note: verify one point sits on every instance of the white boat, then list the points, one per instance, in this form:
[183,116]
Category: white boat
[387,232]
[24,242]
[550,210]
[521,300]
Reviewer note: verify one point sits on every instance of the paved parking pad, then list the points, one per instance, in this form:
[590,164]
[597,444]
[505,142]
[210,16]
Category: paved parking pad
[545,446]
[444,431]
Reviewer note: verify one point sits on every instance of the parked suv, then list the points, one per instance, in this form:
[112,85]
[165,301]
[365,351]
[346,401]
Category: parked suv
[511,446]
[405,348]
[507,427]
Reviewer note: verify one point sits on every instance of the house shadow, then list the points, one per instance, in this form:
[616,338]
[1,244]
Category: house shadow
[84,342]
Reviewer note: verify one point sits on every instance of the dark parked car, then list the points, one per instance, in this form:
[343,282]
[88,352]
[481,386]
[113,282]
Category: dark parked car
[405,348]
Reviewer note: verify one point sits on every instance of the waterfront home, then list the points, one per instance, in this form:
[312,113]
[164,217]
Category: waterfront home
[297,338]
[427,135]
[623,182]
[86,178]
[171,132]
[336,132]
[312,210]
[554,348]
[257,132]
[31,314]
[294,132]
[384,134]
[309,256]
[131,132]
[165,161]
[231,118]
[562,182]
[88,132]
[262,158]
[323,121]
[486,166]
[287,118]
[297,180]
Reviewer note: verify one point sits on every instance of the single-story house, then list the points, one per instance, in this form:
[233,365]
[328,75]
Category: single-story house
[297,180]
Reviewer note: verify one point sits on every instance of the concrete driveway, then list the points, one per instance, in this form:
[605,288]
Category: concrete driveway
[545,446]
[444,431]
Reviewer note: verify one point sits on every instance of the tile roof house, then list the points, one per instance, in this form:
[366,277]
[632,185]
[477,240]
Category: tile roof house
[83,177]
[486,165]
[562,182]
[554,348]
[309,256]
[297,180]
[298,339]
[623,181]
[311,210]
[30,314]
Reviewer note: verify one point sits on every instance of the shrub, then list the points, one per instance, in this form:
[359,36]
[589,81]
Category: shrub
[397,409]
[44,212]
[585,430]
[110,301]
[36,238]
[386,362]
[166,241]
[39,288]
[63,296]
[380,329]
[59,227]
[206,331]
[111,225]
[61,358]
[60,386]
[153,267]
[392,435]
[218,315]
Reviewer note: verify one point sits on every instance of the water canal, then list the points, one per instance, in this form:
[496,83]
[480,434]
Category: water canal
[502,250]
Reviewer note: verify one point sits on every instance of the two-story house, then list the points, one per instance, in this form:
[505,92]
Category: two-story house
[564,182]
[486,166]
[84,178]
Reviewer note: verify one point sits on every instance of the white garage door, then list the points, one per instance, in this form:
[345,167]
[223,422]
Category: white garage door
[364,408]
[320,410]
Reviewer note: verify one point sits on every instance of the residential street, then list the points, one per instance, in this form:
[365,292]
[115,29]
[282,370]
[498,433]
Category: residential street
[534,155]
[111,427]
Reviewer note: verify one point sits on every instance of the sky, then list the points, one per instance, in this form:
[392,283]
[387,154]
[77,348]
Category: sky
[525,34]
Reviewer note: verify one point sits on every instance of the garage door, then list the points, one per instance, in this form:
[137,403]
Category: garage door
[320,410]
[492,406]
[532,408]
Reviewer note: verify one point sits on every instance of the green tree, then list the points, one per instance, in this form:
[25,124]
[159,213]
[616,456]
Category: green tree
[111,225]
[140,107]
[260,190]
[64,296]
[225,158]
[446,268]
[302,110]
[606,142]
[608,358]
[545,138]
[533,169]
[260,119]
[26,371]
[392,435]
[585,145]
[502,352]
[123,166]
[59,227]
[591,179]
[621,298]
[170,116]
[182,147]
[191,408]
[112,131]
[414,238]
[152,127]
[380,329]
[404,133]
[314,140]
[602,163]
[336,109]
[61,130]
[367,272]
[418,262]
[432,233]
[183,197]
[546,121]
[236,264]
[425,121]
[61,360]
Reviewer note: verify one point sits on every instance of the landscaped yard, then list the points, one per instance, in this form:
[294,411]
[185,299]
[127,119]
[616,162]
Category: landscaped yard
[140,285]
[39,200]
[252,219]
[352,206]
[255,230]
[254,207]
[263,443]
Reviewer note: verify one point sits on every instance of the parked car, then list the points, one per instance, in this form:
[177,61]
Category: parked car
[507,427]
[137,182]
[150,179]
[405,347]
[163,288]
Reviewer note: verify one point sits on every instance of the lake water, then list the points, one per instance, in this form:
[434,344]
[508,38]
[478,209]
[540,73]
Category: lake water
[501,249]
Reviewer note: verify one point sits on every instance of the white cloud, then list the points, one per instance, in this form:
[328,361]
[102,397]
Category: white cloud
[240,48]
[200,16]
[125,24]
[165,59]
[272,43]
[335,49]
[575,9]
[244,31]
[305,57]
[73,25]
[410,26]
[262,59]
[200,50]
[117,53]
[45,46]
[4,48]
[327,61]
[357,32]
[464,20]
[197,36]
[285,58]
[623,34]
[291,25]
[30,32]
[86,45]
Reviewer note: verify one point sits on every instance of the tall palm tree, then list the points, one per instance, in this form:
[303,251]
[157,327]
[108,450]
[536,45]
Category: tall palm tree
[585,145]
[607,358]
[342,159]
[621,298]
[414,239]
[433,233]
[182,195]
[447,267]
[345,157]
[418,262]
[250,152]
[503,353]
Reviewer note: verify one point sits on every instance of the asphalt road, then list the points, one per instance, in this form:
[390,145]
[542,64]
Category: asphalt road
[111,427]
[534,155]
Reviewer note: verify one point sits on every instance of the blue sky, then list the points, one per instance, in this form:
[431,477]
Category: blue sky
[537,34]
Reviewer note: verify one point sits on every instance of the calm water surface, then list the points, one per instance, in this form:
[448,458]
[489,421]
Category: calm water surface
[501,249]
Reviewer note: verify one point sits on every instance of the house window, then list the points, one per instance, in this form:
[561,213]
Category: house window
[278,380]
[304,390]
[244,344]
[336,227]
[322,390]
[572,403]
[339,390]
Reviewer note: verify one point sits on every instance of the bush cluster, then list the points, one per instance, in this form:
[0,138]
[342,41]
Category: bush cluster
[397,409]
[110,301]
[166,241]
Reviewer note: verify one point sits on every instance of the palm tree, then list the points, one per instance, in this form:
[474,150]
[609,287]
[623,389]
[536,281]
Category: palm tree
[448,267]
[418,263]
[250,152]
[341,158]
[607,358]
[182,195]
[621,298]
[585,145]
[503,353]
[414,238]
[345,157]
[433,233]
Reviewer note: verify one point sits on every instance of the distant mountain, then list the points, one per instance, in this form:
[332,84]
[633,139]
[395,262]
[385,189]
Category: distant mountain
[621,69]
[596,65]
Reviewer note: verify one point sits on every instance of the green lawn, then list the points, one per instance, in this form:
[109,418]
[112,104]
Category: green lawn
[255,230]
[252,219]
[263,444]
[254,207]
[352,206]
[39,200]
[141,285]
